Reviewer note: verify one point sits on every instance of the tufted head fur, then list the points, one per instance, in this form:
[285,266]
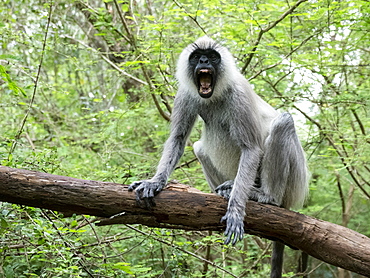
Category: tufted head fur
[227,69]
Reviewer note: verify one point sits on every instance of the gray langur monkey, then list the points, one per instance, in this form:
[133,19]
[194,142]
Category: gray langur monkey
[248,150]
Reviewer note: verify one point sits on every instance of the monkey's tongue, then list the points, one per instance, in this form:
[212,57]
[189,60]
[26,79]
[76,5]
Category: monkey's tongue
[205,81]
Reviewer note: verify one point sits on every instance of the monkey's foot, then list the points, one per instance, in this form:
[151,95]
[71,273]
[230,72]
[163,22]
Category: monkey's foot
[145,192]
[224,189]
[258,195]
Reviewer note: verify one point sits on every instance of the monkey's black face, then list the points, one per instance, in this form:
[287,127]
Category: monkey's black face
[204,65]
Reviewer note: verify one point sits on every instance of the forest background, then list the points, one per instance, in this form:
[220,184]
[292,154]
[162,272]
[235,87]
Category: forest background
[86,89]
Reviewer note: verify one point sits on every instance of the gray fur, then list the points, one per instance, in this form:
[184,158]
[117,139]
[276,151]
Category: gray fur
[247,150]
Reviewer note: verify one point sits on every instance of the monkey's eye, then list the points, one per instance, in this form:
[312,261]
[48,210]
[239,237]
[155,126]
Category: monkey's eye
[214,57]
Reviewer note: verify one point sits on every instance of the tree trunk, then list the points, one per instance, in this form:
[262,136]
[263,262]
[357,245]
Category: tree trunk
[183,207]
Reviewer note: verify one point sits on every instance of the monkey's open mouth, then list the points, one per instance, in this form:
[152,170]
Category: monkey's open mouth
[205,82]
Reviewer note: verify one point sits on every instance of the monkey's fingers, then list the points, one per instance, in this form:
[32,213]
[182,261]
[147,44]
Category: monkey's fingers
[149,203]
[231,237]
[238,234]
[227,232]
[224,190]
[134,185]
[138,199]
[145,192]
[141,200]
[234,230]
[227,240]
[147,197]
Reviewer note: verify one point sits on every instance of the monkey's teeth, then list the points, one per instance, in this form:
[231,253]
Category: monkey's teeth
[205,79]
[205,91]
[204,71]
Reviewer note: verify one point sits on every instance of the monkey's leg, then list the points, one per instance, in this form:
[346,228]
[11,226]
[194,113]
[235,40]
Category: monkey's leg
[213,176]
[283,175]
[284,171]
[277,260]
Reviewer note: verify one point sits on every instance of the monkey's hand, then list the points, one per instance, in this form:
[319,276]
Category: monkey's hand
[224,189]
[146,190]
[234,226]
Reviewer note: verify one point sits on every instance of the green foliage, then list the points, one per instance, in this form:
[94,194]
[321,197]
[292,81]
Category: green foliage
[93,117]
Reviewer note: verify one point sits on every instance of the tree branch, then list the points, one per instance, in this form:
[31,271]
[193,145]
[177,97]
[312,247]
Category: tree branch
[183,207]
[265,30]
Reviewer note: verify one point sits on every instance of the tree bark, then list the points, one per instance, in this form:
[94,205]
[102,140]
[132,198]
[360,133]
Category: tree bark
[183,207]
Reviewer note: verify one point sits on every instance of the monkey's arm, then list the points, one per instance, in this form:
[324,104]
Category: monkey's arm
[246,131]
[240,193]
[182,121]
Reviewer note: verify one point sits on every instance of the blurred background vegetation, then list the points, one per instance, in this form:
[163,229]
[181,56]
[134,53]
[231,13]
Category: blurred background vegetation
[86,88]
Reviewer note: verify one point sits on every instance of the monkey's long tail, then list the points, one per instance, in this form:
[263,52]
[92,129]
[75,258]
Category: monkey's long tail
[277,259]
